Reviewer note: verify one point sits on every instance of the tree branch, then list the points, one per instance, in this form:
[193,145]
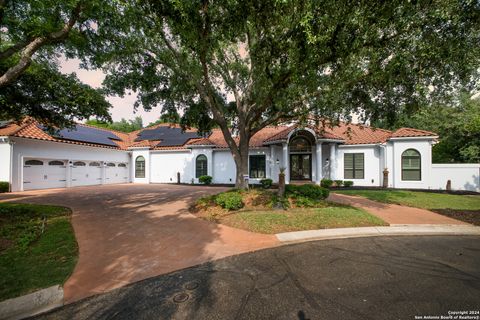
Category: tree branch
[32,47]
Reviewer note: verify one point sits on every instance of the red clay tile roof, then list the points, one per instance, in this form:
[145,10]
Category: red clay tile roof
[351,134]
[409,132]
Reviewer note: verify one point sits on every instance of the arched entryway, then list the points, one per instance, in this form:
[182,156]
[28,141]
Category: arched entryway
[301,145]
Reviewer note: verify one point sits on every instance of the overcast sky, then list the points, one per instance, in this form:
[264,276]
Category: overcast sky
[122,107]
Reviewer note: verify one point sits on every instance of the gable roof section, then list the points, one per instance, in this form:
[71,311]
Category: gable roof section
[350,134]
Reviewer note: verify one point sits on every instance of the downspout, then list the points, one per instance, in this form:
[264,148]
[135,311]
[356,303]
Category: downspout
[10,178]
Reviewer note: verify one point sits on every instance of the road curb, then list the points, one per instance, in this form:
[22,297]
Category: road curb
[32,304]
[393,230]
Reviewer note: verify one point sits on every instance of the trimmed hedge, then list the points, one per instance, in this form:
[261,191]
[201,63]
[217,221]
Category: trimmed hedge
[326,183]
[311,191]
[347,183]
[338,183]
[205,179]
[229,200]
[4,186]
[266,183]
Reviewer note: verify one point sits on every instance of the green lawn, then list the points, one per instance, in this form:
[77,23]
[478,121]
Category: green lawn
[29,258]
[425,200]
[272,221]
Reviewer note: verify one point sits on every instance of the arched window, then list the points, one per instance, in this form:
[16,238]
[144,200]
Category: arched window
[201,166]
[110,164]
[79,164]
[122,165]
[300,144]
[34,163]
[140,167]
[411,165]
[94,164]
[56,163]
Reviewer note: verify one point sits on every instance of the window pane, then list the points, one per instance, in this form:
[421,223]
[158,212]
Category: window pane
[140,167]
[201,166]
[411,165]
[257,167]
[348,174]
[348,163]
[353,166]
[359,161]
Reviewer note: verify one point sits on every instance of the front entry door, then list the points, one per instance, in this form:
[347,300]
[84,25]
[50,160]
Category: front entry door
[300,167]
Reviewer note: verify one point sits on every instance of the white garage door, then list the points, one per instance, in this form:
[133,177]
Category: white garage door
[86,173]
[44,174]
[116,173]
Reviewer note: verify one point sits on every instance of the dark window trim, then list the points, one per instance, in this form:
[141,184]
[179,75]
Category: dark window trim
[419,161]
[257,169]
[201,171]
[140,172]
[354,176]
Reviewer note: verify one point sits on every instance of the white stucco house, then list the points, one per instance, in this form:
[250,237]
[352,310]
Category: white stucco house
[32,158]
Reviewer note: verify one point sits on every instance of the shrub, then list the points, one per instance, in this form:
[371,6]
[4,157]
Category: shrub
[311,191]
[326,183]
[347,183]
[302,201]
[205,179]
[266,183]
[229,200]
[338,183]
[4,186]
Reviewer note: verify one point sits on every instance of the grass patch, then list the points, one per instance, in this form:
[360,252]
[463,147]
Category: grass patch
[331,216]
[37,248]
[304,213]
[424,200]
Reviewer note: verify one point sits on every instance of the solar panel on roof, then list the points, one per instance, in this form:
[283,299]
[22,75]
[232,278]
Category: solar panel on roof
[169,136]
[3,124]
[87,134]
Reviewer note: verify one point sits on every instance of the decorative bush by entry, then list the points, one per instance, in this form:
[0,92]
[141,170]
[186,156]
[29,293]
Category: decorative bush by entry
[347,183]
[326,183]
[4,186]
[229,200]
[311,191]
[266,183]
[205,179]
[338,183]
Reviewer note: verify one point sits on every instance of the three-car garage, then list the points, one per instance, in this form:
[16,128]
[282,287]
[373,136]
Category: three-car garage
[39,173]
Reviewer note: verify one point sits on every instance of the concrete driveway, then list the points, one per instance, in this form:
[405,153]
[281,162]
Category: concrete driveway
[131,232]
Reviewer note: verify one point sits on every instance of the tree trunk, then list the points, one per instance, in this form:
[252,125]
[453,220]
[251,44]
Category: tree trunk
[241,162]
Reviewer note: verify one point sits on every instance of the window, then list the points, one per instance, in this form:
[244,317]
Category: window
[56,163]
[411,165]
[201,166]
[140,167]
[79,164]
[34,163]
[94,164]
[122,165]
[257,166]
[110,164]
[300,144]
[354,166]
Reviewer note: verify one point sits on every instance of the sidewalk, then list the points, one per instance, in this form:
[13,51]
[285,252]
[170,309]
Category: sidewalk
[393,213]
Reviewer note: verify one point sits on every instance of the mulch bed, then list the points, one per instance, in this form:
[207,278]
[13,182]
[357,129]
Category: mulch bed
[469,216]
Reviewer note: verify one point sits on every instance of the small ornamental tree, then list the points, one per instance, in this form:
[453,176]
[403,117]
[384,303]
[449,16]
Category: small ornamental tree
[244,65]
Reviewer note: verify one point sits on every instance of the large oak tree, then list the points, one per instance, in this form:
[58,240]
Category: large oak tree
[244,65]
[33,33]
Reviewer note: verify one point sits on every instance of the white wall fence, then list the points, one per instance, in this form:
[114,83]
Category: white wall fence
[462,176]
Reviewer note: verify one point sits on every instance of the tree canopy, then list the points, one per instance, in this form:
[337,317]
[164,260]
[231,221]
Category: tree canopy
[250,64]
[457,124]
[34,33]
[123,125]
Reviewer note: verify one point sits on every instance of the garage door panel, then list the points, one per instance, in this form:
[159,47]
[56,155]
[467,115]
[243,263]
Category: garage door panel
[44,174]
[116,173]
[86,173]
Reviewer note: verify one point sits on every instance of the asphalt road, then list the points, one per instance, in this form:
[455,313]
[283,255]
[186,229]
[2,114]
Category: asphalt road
[364,278]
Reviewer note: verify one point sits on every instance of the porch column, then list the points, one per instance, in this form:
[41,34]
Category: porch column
[286,162]
[333,161]
[319,175]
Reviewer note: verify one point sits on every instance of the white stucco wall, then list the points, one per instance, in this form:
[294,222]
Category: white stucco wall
[5,157]
[372,158]
[29,148]
[166,165]
[146,154]
[462,176]
[224,170]
[425,149]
